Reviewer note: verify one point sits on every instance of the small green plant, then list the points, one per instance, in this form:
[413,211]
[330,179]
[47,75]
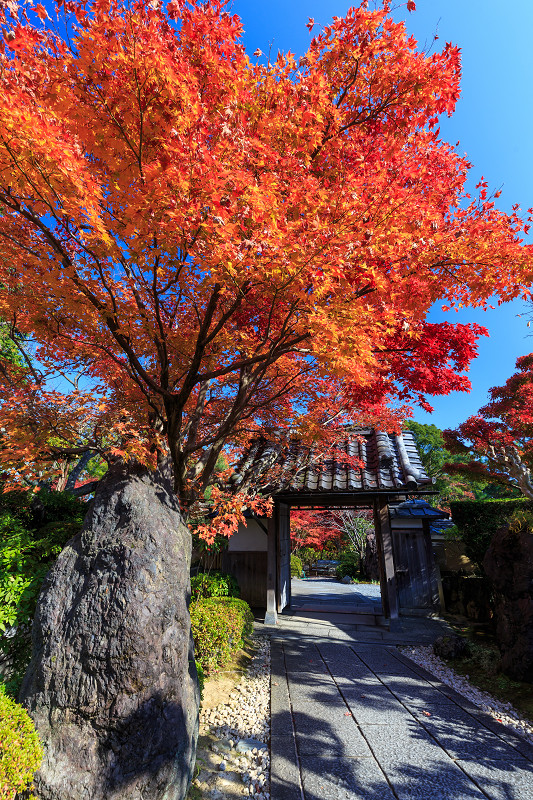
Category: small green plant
[219,625]
[296,567]
[20,750]
[213,584]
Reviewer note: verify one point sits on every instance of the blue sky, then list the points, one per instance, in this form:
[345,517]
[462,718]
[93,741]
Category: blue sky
[493,123]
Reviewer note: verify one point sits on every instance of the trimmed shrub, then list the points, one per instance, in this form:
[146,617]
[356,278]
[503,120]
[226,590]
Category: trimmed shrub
[478,521]
[296,567]
[219,625]
[20,750]
[350,565]
[213,584]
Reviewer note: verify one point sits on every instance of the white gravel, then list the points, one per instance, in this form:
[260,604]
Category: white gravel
[242,730]
[424,656]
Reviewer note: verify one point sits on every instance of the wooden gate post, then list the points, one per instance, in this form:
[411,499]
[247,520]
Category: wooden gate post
[284,556]
[388,585]
[271,616]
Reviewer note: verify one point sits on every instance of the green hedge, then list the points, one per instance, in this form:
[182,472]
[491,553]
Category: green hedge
[478,521]
[219,625]
[20,750]
[213,584]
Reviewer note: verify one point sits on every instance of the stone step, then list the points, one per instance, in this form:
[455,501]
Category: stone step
[332,617]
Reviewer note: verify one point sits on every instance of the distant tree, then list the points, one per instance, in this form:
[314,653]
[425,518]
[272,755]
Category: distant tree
[310,529]
[497,443]
[355,525]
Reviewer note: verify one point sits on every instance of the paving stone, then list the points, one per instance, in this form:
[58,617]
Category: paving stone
[377,710]
[281,723]
[417,694]
[432,781]
[398,744]
[309,679]
[307,697]
[331,778]
[335,734]
[284,769]
[499,781]
[462,737]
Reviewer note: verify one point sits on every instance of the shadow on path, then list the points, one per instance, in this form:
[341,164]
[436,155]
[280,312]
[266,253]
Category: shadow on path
[360,722]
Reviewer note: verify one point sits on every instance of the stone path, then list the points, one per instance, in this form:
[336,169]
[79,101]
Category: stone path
[354,719]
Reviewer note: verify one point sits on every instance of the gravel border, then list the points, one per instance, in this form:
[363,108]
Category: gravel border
[238,762]
[505,713]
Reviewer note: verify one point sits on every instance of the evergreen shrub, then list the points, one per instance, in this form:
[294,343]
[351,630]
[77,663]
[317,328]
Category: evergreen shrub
[20,750]
[213,584]
[349,565]
[219,625]
[478,521]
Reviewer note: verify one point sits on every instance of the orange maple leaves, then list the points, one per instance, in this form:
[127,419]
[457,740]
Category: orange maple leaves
[228,246]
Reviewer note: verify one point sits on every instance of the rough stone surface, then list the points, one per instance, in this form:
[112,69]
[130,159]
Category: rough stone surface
[509,564]
[452,646]
[112,683]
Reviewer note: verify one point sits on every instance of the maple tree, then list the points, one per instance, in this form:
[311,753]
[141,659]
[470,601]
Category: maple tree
[221,246]
[310,529]
[497,443]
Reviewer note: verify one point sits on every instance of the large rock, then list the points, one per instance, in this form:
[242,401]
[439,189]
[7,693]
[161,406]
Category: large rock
[112,684]
[509,564]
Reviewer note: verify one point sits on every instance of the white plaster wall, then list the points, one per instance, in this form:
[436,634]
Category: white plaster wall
[250,537]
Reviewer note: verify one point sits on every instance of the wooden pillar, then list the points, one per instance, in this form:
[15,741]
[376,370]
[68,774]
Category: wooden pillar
[271,616]
[389,593]
[284,556]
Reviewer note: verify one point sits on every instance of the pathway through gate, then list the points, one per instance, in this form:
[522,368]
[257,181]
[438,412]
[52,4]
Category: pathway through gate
[353,719]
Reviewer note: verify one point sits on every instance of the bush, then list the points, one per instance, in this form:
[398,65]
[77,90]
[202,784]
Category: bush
[350,565]
[32,534]
[219,625]
[478,521]
[213,584]
[20,750]
[296,567]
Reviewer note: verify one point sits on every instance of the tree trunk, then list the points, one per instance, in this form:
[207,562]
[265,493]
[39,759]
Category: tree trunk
[112,684]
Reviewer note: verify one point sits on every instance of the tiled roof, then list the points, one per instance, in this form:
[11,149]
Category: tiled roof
[389,462]
[417,509]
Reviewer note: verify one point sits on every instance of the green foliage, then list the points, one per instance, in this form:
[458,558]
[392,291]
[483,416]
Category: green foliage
[478,521]
[32,534]
[350,564]
[296,567]
[213,584]
[441,464]
[219,625]
[20,750]
[201,678]
[307,555]
[8,348]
